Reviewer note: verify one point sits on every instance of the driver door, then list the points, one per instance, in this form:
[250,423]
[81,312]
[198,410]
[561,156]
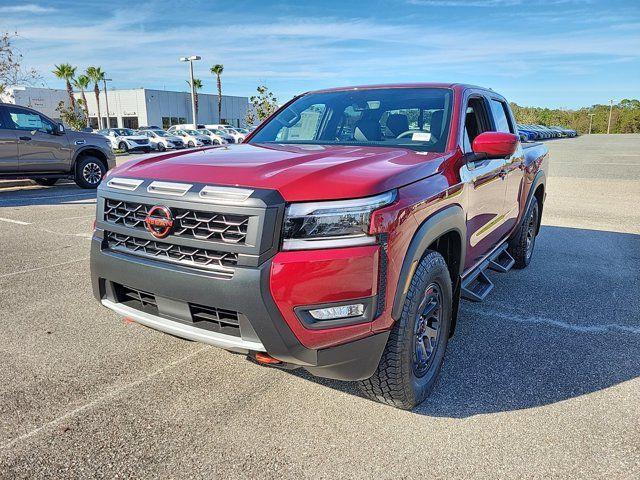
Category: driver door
[40,148]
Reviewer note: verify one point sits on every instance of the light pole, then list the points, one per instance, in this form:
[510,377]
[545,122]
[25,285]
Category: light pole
[191,59]
[106,100]
[610,111]
[590,121]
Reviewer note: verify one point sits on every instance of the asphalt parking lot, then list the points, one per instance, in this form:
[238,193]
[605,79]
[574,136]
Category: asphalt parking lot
[540,380]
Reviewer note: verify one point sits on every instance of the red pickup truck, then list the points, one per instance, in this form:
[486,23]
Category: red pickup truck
[338,238]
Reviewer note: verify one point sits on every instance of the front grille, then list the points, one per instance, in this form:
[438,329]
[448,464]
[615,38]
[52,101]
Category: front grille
[222,262]
[141,142]
[188,223]
[177,143]
[202,316]
[206,141]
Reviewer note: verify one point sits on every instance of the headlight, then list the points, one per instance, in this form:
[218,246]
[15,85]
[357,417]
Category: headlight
[342,223]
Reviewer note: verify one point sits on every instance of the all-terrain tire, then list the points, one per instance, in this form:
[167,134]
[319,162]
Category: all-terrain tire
[521,247]
[89,172]
[396,381]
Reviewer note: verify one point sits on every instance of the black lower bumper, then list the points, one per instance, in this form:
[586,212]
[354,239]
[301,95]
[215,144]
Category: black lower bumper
[246,292]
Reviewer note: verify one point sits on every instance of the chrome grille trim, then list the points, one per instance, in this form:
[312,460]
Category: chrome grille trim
[169,188]
[221,262]
[128,184]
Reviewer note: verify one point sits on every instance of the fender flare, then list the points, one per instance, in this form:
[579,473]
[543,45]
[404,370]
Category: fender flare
[450,219]
[539,179]
[84,148]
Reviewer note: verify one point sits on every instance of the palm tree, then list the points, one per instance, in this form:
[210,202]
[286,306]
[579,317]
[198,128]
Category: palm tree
[217,71]
[66,72]
[197,83]
[96,75]
[82,83]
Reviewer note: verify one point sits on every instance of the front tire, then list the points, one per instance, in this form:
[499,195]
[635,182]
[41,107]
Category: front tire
[415,350]
[123,146]
[161,147]
[45,182]
[89,172]
[521,248]
[191,144]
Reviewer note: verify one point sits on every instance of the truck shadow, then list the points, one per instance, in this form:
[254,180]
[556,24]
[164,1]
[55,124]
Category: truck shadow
[567,326]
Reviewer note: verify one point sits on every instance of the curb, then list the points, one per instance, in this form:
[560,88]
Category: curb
[16,183]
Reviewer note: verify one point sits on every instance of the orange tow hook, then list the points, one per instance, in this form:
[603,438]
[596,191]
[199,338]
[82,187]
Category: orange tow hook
[265,358]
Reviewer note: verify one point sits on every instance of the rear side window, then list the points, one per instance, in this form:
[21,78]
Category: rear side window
[501,117]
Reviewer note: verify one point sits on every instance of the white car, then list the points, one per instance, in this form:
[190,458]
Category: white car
[228,129]
[162,140]
[192,138]
[126,139]
[239,137]
[218,137]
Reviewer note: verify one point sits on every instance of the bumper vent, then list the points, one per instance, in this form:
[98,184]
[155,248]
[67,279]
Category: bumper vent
[222,262]
[209,318]
[196,224]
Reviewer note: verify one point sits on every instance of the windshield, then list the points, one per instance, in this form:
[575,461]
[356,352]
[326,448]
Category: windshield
[123,132]
[415,118]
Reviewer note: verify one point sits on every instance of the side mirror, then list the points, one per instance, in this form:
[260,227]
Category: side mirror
[495,144]
[60,130]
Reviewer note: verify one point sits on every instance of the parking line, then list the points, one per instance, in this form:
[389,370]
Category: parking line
[598,329]
[18,222]
[110,394]
[29,270]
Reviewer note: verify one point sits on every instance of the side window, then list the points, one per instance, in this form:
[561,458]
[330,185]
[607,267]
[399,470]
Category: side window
[500,116]
[2,122]
[307,126]
[476,122]
[27,120]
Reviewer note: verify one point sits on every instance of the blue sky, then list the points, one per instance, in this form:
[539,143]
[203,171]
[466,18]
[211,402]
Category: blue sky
[556,53]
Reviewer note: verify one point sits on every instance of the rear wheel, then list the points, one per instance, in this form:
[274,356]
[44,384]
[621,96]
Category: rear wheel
[415,350]
[45,182]
[521,248]
[89,172]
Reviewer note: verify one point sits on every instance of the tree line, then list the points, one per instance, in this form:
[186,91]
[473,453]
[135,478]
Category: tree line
[625,117]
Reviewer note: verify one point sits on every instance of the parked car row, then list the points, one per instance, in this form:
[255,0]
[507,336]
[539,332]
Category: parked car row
[542,132]
[152,137]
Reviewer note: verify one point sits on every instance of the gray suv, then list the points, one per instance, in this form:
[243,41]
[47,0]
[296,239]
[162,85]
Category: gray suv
[34,146]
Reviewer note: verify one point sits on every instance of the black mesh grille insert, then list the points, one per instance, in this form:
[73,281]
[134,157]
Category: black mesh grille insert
[188,223]
[189,256]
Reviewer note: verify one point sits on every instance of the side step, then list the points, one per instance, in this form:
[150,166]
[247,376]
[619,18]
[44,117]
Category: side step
[477,285]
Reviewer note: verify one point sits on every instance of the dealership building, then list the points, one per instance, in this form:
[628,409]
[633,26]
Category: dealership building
[133,108]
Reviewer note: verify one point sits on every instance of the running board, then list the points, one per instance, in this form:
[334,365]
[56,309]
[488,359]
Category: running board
[477,285]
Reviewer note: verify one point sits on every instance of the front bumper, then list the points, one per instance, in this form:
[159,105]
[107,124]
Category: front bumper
[262,325]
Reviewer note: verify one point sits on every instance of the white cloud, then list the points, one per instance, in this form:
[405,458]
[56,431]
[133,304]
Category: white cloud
[26,8]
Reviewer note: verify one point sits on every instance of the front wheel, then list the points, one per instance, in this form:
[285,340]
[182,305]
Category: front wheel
[415,350]
[191,144]
[161,147]
[522,246]
[89,172]
[123,146]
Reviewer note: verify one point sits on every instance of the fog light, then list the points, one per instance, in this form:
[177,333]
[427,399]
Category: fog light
[344,311]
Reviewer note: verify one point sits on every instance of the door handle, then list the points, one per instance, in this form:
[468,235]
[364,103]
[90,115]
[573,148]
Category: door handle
[26,139]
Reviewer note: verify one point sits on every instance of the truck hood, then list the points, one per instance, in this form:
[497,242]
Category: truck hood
[298,172]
